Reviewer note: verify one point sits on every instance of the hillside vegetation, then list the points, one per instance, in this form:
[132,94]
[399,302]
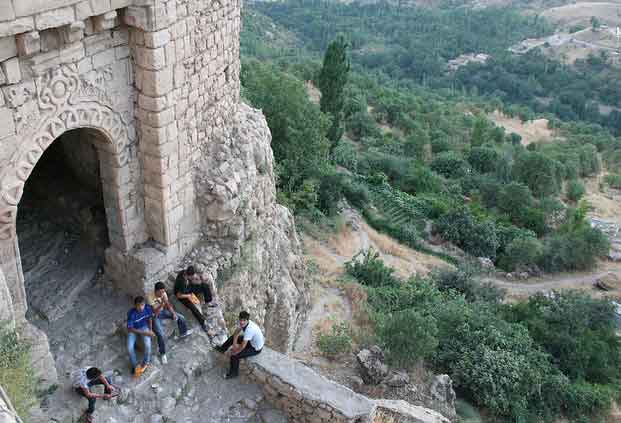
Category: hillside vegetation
[423,163]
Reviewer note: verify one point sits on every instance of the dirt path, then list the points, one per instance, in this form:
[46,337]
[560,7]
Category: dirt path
[331,306]
[582,281]
[331,254]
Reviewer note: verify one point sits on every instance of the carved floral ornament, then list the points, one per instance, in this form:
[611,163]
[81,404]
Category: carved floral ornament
[62,110]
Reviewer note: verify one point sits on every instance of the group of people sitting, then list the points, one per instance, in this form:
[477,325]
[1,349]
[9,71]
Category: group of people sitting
[145,321]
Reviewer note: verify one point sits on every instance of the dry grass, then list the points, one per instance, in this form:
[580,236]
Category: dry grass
[313,92]
[404,260]
[581,13]
[327,264]
[531,131]
[605,205]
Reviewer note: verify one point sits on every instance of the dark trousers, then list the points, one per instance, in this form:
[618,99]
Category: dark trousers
[92,401]
[196,289]
[249,351]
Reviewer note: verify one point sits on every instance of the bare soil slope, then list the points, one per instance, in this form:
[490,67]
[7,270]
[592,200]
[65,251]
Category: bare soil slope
[531,131]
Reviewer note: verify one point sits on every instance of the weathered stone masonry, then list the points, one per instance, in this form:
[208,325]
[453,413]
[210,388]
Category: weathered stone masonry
[152,78]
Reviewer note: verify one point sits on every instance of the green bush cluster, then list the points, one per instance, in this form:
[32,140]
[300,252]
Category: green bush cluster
[338,341]
[575,190]
[529,362]
[16,374]
[613,180]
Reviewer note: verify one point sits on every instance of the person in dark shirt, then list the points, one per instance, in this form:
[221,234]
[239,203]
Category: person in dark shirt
[139,324]
[187,285]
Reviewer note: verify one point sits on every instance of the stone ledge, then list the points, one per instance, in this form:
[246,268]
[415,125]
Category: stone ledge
[311,385]
[404,412]
[308,397]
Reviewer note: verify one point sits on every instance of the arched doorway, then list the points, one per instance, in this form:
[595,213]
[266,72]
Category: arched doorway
[67,218]
[61,224]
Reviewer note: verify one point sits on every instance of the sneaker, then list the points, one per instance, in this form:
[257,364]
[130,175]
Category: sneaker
[230,376]
[88,418]
[139,371]
[164,359]
[186,334]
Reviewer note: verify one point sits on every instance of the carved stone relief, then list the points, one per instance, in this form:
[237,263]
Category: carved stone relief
[62,100]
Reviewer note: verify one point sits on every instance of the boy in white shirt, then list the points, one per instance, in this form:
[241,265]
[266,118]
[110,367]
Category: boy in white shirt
[83,379]
[247,340]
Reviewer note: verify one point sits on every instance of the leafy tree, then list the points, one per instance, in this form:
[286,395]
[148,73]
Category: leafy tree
[577,330]
[478,131]
[462,281]
[521,252]
[477,237]
[332,80]
[538,172]
[483,159]
[449,164]
[575,190]
[298,130]
[405,347]
[514,199]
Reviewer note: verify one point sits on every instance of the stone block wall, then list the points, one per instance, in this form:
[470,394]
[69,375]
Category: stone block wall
[154,79]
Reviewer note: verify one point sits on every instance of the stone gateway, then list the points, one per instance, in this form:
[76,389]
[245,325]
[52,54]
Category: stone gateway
[143,95]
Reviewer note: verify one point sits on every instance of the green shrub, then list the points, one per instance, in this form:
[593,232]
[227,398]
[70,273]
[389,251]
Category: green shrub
[585,399]
[613,180]
[575,190]
[495,363]
[449,164]
[16,374]
[337,342]
[477,237]
[420,179]
[483,159]
[371,270]
[421,294]
[356,193]
[463,282]
[522,251]
[407,336]
[577,330]
[330,191]
[538,172]
[576,250]
[345,155]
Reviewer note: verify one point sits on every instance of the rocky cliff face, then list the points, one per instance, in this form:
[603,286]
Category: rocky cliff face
[248,244]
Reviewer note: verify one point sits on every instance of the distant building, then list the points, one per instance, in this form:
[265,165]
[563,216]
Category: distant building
[465,59]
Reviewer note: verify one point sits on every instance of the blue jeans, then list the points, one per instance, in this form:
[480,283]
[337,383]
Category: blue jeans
[131,347]
[92,401]
[158,328]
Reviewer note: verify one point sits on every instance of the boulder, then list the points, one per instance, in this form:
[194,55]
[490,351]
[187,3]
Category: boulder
[486,262]
[608,282]
[372,367]
[397,379]
[443,395]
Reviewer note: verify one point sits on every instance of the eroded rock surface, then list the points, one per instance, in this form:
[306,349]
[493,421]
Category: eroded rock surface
[372,367]
[249,246]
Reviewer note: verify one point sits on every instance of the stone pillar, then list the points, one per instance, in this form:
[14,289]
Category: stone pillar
[7,312]
[155,55]
[14,278]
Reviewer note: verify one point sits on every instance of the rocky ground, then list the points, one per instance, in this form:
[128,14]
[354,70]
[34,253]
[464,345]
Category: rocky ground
[62,236]
[190,388]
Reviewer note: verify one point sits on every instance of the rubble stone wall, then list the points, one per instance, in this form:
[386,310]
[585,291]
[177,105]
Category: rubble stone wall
[308,397]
